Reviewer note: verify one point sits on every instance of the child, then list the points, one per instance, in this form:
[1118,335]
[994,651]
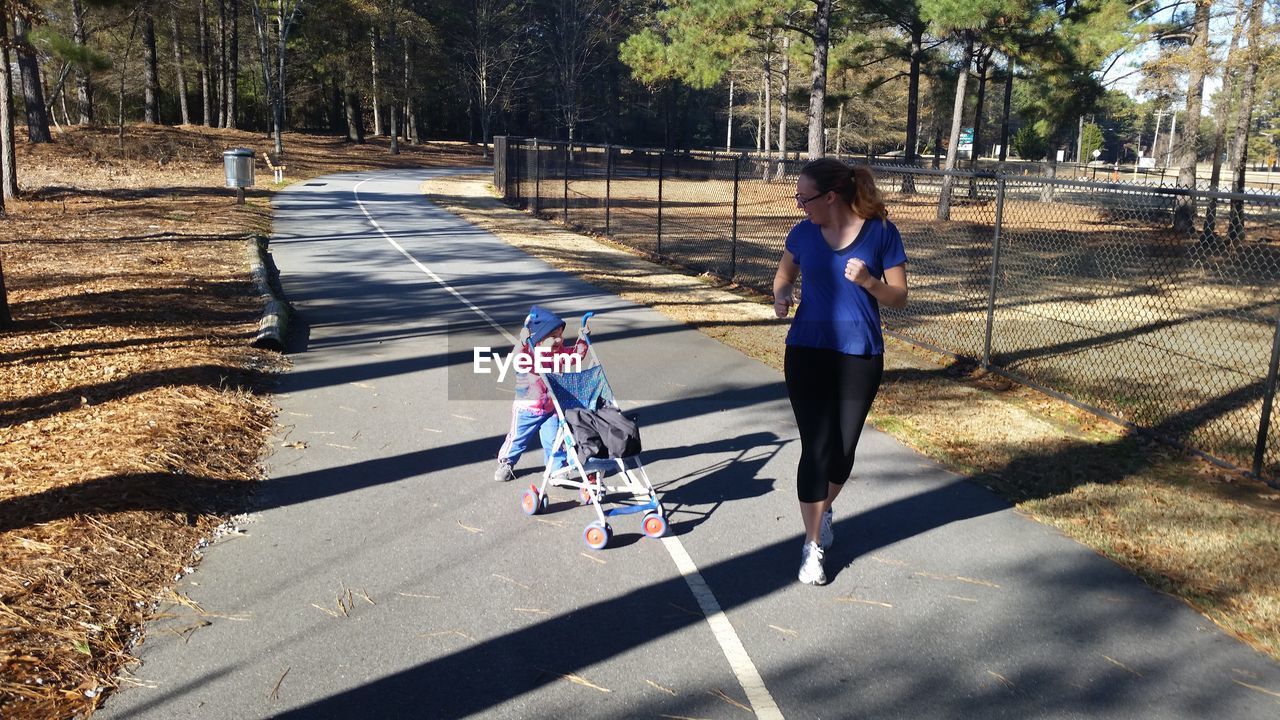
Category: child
[533,411]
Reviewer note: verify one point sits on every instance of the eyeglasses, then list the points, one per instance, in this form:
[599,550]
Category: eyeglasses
[805,201]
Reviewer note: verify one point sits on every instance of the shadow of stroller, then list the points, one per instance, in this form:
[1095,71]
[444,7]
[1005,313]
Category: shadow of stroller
[710,486]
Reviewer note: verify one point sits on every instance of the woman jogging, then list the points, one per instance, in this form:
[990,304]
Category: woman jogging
[852,260]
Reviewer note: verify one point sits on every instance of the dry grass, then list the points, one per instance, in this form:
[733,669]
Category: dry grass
[1205,534]
[130,420]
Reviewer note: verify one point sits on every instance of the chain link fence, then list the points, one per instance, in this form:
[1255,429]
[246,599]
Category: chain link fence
[1157,306]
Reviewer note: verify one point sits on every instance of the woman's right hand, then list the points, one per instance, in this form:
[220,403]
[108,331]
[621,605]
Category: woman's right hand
[781,306]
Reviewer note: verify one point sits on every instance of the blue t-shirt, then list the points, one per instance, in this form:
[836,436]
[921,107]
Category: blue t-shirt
[835,313]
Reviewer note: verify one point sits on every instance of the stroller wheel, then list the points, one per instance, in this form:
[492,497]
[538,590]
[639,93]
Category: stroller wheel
[655,526]
[597,536]
[533,502]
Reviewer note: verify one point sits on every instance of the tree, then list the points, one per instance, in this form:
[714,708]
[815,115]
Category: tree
[8,160]
[283,15]
[1222,115]
[84,78]
[1184,205]
[498,49]
[818,77]
[231,70]
[150,64]
[177,65]
[905,14]
[6,319]
[1028,144]
[1239,145]
[1090,140]
[206,84]
[575,35]
[29,71]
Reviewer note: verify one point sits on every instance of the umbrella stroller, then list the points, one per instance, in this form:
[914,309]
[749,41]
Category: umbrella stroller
[586,388]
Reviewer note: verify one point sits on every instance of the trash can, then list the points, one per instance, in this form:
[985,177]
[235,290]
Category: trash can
[238,163]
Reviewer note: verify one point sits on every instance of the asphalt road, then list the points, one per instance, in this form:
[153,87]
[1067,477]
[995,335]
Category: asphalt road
[385,574]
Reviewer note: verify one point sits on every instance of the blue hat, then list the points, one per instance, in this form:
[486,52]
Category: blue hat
[541,323]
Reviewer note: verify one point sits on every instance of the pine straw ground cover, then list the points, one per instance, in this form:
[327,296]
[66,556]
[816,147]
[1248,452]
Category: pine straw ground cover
[131,419]
[1189,528]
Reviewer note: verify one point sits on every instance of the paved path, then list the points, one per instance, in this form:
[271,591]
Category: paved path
[385,574]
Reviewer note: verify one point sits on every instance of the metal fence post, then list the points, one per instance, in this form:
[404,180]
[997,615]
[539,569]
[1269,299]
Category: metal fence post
[537,178]
[1268,399]
[733,240]
[995,272]
[566,183]
[608,183]
[662,158]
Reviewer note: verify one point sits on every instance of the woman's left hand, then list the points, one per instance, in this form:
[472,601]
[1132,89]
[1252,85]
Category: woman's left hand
[856,272]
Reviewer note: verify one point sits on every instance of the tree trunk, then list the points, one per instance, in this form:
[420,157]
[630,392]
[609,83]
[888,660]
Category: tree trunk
[377,101]
[957,114]
[392,130]
[1240,140]
[233,66]
[206,104]
[84,80]
[1004,113]
[355,117]
[221,99]
[151,73]
[984,62]
[8,162]
[1184,206]
[768,112]
[6,320]
[782,106]
[1222,115]
[728,132]
[177,65]
[913,94]
[282,36]
[32,90]
[336,118]
[818,79]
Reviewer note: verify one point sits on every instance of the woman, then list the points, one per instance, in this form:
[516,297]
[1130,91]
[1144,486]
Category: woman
[852,261]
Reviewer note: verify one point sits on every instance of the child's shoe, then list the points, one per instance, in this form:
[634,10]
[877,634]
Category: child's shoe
[504,472]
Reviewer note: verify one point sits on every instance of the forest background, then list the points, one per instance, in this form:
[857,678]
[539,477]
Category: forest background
[960,79]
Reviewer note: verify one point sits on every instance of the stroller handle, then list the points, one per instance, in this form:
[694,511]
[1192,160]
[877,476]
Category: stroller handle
[587,338]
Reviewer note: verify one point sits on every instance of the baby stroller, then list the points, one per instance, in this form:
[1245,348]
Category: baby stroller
[588,389]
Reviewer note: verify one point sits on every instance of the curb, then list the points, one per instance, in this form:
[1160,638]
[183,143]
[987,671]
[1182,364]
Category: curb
[274,326]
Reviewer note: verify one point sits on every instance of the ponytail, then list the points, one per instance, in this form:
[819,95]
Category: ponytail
[855,185]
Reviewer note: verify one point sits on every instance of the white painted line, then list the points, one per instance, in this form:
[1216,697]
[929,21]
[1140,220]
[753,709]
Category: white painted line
[757,694]
[730,644]
[471,306]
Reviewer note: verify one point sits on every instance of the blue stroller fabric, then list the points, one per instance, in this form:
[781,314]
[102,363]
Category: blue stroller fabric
[587,389]
[541,323]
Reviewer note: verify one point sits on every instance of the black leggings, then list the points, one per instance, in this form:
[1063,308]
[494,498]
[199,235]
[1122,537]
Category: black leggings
[831,394]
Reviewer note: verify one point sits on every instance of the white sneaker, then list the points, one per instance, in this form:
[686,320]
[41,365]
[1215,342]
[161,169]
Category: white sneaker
[826,536]
[811,572]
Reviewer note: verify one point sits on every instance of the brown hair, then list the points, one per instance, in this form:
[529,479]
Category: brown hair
[855,184]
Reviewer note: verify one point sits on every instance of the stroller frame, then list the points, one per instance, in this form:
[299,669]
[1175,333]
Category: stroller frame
[588,478]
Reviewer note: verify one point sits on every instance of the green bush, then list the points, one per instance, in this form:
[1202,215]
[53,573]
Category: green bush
[1090,140]
[1028,144]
